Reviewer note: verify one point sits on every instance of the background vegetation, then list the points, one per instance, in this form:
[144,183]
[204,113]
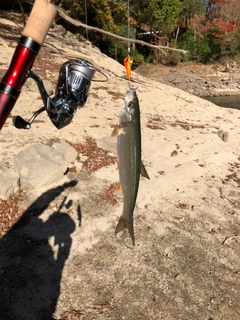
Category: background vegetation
[208,29]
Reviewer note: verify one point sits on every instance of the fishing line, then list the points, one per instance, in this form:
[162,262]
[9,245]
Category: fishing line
[128,8]
[86,17]
[128,60]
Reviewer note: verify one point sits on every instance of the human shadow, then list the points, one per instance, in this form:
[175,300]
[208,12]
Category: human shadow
[31,268]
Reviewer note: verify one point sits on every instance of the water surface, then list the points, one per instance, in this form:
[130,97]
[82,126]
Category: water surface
[232,102]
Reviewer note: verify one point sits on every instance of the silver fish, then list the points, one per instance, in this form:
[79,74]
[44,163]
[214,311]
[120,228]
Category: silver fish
[129,158]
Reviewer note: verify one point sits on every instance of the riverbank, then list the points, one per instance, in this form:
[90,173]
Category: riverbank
[213,80]
[61,260]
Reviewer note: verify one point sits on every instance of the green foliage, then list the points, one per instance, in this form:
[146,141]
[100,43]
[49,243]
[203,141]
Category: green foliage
[215,33]
[119,50]
[103,14]
[137,59]
[214,44]
[207,32]
[198,48]
[189,8]
[157,14]
[112,47]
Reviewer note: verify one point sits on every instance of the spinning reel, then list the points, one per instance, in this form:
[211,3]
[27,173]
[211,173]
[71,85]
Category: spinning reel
[74,81]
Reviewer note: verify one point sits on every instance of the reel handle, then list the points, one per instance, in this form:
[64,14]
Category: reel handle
[20,123]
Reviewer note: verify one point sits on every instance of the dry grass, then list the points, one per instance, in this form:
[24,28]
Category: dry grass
[10,212]
[94,157]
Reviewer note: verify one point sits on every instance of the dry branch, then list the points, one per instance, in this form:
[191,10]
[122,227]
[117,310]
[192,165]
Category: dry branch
[77,23]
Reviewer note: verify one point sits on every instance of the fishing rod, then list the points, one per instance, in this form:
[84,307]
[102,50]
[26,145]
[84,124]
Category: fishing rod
[74,81]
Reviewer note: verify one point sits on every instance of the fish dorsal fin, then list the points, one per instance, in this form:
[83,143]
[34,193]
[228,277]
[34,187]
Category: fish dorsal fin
[144,171]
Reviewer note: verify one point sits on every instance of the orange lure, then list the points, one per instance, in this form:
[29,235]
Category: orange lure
[128,65]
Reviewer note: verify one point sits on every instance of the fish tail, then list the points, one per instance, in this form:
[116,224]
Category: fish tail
[122,224]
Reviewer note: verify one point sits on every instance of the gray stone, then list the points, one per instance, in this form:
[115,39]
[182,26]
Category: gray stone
[176,81]
[9,182]
[67,151]
[108,143]
[223,135]
[40,166]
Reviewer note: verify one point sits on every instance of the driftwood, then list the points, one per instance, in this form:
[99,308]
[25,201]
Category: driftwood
[77,23]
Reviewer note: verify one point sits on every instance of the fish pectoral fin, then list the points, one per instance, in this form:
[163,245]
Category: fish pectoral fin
[116,131]
[122,224]
[118,189]
[144,171]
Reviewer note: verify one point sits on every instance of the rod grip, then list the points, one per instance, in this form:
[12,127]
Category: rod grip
[33,36]
[40,20]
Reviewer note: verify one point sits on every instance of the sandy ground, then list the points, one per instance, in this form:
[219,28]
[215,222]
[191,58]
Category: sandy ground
[62,260]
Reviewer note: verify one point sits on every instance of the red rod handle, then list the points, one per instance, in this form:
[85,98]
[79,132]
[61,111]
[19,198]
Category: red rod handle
[33,36]
[13,80]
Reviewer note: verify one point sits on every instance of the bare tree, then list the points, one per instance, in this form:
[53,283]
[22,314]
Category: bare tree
[77,23]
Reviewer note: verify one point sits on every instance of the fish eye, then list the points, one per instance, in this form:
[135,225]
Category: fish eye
[130,107]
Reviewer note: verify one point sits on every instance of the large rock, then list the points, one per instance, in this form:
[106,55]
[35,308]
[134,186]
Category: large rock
[41,166]
[68,152]
[9,183]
